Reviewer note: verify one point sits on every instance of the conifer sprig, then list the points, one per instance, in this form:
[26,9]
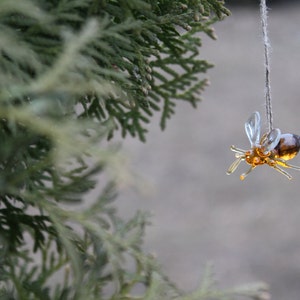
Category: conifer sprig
[71,73]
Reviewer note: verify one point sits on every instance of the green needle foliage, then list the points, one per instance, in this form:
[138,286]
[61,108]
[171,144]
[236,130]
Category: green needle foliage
[72,72]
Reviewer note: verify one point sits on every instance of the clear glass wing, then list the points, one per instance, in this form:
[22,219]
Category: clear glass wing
[252,128]
[270,140]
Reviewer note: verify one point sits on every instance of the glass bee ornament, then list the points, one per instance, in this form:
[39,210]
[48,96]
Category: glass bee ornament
[273,149]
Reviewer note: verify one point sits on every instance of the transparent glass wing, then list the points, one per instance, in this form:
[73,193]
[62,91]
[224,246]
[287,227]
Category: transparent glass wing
[270,140]
[252,128]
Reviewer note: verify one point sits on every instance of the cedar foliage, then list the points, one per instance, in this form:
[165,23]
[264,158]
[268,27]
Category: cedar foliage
[72,72]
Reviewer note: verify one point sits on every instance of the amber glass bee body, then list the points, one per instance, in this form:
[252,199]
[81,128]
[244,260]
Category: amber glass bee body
[273,149]
[288,146]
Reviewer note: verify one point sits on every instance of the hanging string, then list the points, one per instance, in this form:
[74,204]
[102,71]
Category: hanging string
[264,21]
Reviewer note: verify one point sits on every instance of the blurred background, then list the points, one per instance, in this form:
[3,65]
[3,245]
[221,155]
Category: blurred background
[270,3]
[249,230]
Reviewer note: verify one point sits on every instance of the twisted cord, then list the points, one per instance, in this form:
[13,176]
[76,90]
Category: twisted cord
[264,21]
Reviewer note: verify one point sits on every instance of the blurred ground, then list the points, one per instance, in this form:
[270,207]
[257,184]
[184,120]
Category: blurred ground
[250,229]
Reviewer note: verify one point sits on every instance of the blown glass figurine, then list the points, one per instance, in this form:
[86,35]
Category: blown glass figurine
[273,149]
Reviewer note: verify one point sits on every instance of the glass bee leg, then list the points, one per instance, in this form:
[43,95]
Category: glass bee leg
[243,176]
[283,172]
[234,165]
[292,167]
[286,165]
[237,150]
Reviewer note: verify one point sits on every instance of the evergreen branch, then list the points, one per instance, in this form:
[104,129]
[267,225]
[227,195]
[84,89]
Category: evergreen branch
[66,61]
[24,7]
[71,73]
[104,51]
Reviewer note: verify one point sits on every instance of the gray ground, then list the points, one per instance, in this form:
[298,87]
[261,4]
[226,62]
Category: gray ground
[249,230]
